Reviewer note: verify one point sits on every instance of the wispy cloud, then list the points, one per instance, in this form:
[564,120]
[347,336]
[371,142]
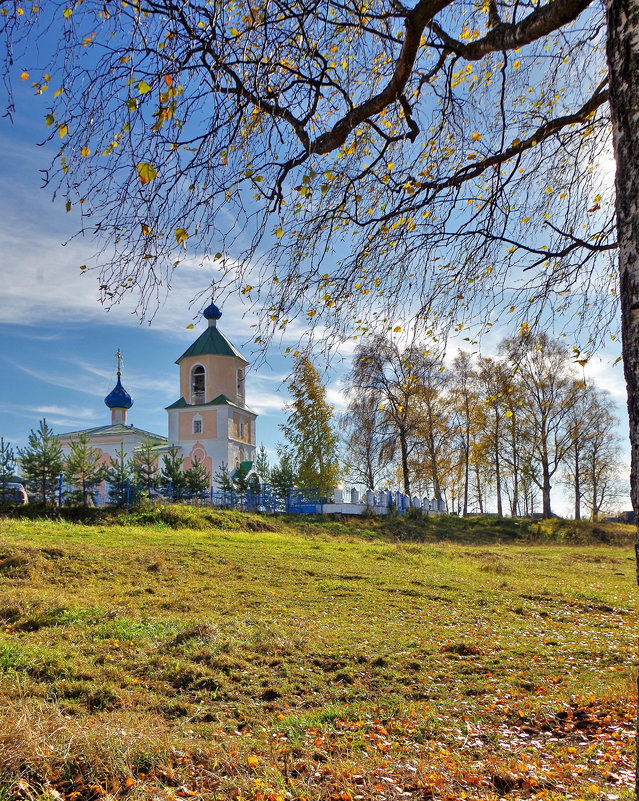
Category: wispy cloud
[58,379]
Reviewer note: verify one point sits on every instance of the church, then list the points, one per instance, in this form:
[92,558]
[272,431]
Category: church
[209,421]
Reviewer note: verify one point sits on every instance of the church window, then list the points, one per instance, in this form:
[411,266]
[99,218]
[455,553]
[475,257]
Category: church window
[240,385]
[242,430]
[197,426]
[197,384]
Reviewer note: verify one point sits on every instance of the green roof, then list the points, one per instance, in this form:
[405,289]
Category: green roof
[116,430]
[212,342]
[243,470]
[221,400]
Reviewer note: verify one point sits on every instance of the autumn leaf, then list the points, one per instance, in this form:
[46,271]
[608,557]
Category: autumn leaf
[181,235]
[62,131]
[252,761]
[146,172]
[67,12]
[143,87]
[24,76]
[190,325]
[85,152]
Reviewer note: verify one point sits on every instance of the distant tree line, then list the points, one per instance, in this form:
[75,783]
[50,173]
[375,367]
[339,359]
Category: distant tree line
[506,428]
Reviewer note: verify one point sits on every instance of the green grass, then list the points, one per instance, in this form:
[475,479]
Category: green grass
[179,651]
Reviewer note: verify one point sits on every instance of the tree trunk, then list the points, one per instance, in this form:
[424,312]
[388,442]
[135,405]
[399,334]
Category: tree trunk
[466,473]
[577,481]
[514,507]
[500,512]
[623,62]
[404,449]
[479,498]
[545,492]
[437,493]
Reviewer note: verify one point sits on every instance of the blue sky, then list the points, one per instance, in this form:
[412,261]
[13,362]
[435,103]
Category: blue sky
[59,343]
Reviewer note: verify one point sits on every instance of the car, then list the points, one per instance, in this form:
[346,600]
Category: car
[13,493]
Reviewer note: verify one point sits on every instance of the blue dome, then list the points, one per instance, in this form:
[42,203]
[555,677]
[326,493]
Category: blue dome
[118,398]
[212,312]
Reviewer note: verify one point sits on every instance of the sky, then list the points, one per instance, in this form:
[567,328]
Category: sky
[59,343]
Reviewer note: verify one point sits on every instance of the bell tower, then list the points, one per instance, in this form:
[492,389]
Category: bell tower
[211,419]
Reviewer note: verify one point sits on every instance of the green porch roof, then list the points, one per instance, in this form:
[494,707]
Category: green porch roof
[221,400]
[212,342]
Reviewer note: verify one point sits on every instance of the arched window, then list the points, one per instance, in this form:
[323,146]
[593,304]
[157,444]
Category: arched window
[198,376]
[240,385]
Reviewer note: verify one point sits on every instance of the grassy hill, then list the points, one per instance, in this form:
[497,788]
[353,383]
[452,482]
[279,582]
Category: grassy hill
[184,653]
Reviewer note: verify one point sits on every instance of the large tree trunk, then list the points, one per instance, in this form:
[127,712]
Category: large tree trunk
[577,484]
[623,62]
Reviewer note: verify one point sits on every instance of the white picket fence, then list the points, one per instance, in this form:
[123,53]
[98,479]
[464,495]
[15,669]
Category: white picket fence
[352,502]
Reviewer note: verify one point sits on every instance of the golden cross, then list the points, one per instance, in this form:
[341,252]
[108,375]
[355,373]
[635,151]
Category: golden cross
[118,356]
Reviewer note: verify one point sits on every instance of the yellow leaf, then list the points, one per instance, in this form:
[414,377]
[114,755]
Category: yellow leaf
[146,230]
[181,235]
[397,329]
[83,266]
[252,761]
[279,232]
[24,75]
[67,13]
[509,413]
[516,65]
[49,120]
[143,87]
[146,172]
[85,152]
[476,137]
[62,131]
[190,325]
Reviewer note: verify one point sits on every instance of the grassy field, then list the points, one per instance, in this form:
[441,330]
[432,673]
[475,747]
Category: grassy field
[203,655]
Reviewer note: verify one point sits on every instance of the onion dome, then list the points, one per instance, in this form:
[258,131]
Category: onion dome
[118,398]
[212,312]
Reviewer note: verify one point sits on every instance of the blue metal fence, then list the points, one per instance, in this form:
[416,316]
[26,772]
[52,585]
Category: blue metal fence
[263,499]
